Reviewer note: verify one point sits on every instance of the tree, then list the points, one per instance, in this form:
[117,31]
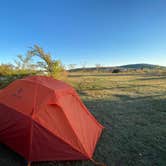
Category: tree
[98,66]
[53,67]
[83,64]
[24,62]
[71,66]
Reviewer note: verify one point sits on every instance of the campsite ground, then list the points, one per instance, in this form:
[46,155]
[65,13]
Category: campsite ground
[133,110]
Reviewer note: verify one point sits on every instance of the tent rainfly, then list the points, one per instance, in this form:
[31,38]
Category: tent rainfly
[43,119]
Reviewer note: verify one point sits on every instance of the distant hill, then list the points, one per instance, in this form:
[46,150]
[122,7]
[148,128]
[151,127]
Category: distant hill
[122,68]
[141,66]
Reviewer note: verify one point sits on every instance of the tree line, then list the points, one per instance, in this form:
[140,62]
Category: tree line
[25,64]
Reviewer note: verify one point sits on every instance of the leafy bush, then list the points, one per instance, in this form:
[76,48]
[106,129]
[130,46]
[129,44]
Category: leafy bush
[6,69]
[9,73]
[116,71]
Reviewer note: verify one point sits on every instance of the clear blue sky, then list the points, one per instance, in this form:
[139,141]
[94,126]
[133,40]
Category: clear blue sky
[109,32]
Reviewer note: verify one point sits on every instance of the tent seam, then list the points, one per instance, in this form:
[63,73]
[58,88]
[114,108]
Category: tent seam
[63,138]
[74,131]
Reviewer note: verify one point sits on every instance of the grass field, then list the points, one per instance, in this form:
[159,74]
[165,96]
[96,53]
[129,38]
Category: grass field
[133,110]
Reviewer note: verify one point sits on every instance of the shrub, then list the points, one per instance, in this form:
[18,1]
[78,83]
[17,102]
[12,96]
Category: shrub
[6,69]
[116,71]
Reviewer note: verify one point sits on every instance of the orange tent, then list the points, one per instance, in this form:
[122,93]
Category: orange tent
[44,119]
